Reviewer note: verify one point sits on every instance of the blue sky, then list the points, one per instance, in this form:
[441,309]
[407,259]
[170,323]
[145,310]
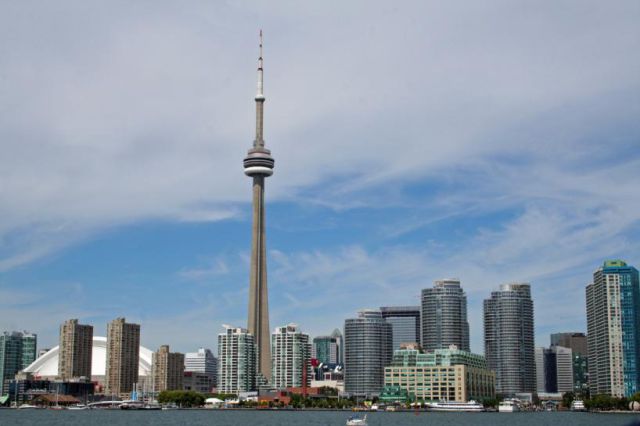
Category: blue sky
[414,141]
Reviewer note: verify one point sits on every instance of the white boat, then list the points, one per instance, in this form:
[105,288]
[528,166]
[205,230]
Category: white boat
[357,421]
[508,406]
[471,406]
[26,407]
[78,407]
[578,405]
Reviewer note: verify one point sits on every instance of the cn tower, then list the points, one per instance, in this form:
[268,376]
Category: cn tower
[258,165]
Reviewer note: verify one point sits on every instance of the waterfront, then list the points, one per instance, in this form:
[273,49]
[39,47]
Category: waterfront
[307,418]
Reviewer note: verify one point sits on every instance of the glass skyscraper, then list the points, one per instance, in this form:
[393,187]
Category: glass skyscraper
[613,329]
[444,316]
[368,350]
[328,349]
[405,323]
[509,340]
[17,351]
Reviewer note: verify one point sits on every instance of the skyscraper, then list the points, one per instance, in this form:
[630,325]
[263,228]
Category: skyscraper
[200,371]
[291,356]
[509,340]
[167,369]
[259,165]
[328,349]
[577,342]
[613,330]
[123,352]
[554,369]
[17,351]
[368,343]
[405,323]
[237,361]
[444,316]
[75,353]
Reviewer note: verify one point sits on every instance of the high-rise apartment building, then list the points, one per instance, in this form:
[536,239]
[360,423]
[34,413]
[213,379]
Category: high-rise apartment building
[167,369]
[204,368]
[405,323]
[368,342]
[17,351]
[123,352]
[577,342]
[236,361]
[76,348]
[291,352]
[509,339]
[613,330]
[444,316]
[554,369]
[328,349]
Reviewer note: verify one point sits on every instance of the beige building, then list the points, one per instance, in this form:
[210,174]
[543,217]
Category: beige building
[75,351]
[441,375]
[123,351]
[168,369]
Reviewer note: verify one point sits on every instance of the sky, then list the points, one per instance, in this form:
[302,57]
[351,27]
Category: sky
[493,142]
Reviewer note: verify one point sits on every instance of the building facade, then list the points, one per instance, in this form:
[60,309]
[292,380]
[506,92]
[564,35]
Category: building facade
[328,349]
[444,316]
[554,369]
[577,342]
[368,341]
[613,329]
[291,352]
[236,361]
[167,369]
[75,351]
[405,323]
[204,365]
[123,352]
[17,351]
[509,339]
[440,375]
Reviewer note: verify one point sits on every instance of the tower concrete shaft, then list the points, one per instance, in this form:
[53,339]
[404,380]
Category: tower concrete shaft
[258,165]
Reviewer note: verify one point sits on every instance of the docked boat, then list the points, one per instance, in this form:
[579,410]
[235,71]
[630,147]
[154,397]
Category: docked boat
[508,406]
[78,407]
[578,405]
[357,421]
[27,407]
[471,406]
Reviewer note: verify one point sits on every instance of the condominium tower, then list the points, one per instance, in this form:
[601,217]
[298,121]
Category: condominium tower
[328,349]
[291,353]
[167,369]
[258,164]
[17,351]
[368,342]
[613,330]
[123,352]
[405,323]
[76,348]
[237,361]
[444,316]
[509,338]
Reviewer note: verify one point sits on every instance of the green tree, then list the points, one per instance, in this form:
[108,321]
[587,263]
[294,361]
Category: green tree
[567,399]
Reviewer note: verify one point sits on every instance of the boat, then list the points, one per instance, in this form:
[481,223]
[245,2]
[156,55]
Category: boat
[471,406]
[78,407]
[357,421]
[578,405]
[390,408]
[508,406]
[27,407]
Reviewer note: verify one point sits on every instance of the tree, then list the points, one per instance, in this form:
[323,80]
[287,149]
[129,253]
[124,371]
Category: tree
[181,398]
[567,399]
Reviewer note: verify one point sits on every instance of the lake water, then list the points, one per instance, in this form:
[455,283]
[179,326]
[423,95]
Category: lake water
[303,418]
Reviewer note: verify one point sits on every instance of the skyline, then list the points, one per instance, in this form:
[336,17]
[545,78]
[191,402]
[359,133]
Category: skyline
[490,158]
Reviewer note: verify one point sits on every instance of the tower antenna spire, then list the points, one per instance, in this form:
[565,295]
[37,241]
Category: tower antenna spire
[259,141]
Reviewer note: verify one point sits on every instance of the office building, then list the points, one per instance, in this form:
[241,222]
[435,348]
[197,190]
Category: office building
[168,369]
[613,329]
[444,316]
[368,342]
[291,353]
[204,366]
[554,369]
[405,323]
[440,375]
[75,350]
[509,339]
[17,351]
[236,361]
[328,349]
[577,342]
[122,357]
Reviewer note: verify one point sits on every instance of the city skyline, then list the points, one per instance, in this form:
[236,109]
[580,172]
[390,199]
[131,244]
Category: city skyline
[408,151]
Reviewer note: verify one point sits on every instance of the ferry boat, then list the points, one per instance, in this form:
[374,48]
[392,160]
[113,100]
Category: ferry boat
[508,406]
[578,405]
[471,406]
